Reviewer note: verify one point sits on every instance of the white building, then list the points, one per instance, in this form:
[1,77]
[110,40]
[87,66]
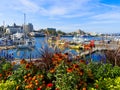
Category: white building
[12,30]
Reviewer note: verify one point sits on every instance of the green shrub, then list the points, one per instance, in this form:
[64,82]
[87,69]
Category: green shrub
[8,85]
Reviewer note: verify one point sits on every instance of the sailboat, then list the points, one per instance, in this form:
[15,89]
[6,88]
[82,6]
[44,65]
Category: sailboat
[25,41]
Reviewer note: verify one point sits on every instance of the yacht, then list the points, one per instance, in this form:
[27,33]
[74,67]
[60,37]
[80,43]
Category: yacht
[25,41]
[22,41]
[80,39]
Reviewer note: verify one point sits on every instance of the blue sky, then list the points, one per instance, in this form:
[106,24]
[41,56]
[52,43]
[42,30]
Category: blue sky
[66,15]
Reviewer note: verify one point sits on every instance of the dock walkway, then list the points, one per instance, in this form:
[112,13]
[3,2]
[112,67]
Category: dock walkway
[7,47]
[112,46]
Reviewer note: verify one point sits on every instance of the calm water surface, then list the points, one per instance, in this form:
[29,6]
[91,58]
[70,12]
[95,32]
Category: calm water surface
[32,53]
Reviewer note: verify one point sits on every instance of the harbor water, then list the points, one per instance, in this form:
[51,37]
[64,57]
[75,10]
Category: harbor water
[34,52]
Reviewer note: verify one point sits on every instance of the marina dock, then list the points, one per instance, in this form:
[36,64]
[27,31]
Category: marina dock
[7,47]
[100,47]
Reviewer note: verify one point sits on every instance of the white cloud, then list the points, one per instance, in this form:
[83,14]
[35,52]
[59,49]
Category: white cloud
[108,15]
[78,15]
[29,5]
[64,7]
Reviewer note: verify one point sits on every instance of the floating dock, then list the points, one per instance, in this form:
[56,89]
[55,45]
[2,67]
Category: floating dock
[99,47]
[7,47]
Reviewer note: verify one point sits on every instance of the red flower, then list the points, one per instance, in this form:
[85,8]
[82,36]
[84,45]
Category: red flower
[38,88]
[49,85]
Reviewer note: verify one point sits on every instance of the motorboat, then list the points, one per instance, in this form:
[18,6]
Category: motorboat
[20,40]
[36,34]
[26,43]
[76,46]
[79,39]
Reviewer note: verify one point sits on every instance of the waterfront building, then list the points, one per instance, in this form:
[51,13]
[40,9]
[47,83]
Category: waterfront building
[28,28]
[2,30]
[13,29]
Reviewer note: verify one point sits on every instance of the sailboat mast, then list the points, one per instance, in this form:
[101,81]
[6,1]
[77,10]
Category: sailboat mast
[4,28]
[24,28]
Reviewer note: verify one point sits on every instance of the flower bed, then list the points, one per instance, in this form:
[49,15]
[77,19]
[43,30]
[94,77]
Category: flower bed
[58,73]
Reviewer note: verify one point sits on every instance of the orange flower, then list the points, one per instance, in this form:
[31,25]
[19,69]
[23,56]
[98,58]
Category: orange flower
[31,82]
[0,75]
[34,78]
[25,80]
[81,72]
[40,86]
[25,77]
[17,88]
[26,86]
[36,84]
[52,70]
[28,74]
[36,81]
[23,61]
[69,70]
[27,66]
[75,66]
[84,88]
[30,78]
[41,76]
[13,63]
[31,85]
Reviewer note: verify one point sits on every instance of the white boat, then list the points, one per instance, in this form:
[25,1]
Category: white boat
[20,41]
[36,34]
[25,41]
[79,39]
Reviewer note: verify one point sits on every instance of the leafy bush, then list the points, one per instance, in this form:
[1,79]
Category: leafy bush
[104,70]
[8,85]
[106,84]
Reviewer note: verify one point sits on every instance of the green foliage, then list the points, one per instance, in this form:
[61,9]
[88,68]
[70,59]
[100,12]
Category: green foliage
[62,74]
[60,32]
[108,84]
[69,80]
[64,80]
[6,66]
[8,85]
[104,70]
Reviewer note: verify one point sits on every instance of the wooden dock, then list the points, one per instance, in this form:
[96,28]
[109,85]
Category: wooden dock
[7,47]
[100,48]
